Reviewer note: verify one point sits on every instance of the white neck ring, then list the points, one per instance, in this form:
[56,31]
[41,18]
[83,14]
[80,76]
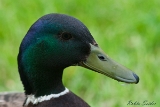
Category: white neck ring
[35,100]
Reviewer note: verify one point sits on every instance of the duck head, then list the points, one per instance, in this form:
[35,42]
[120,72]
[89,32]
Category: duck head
[56,41]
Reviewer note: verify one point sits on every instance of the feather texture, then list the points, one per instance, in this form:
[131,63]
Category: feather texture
[12,99]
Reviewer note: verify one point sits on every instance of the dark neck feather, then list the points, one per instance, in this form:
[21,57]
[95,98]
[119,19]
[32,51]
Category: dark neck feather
[44,82]
[49,81]
[67,100]
[40,79]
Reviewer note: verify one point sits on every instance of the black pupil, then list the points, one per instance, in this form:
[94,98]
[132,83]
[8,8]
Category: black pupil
[66,36]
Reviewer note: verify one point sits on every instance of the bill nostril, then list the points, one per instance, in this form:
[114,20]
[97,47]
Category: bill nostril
[101,57]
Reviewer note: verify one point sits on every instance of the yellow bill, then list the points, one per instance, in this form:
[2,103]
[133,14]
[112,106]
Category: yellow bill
[100,62]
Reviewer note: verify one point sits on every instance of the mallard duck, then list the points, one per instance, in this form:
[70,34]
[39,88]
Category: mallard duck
[53,43]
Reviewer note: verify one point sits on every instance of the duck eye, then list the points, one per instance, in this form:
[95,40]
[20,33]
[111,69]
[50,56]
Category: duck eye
[66,36]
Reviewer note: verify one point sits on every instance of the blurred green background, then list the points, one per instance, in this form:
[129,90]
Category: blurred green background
[127,30]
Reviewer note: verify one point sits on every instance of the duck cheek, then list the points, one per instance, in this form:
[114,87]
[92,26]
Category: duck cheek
[83,51]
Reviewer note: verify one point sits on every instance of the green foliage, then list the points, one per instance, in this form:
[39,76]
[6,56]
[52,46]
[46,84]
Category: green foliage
[127,30]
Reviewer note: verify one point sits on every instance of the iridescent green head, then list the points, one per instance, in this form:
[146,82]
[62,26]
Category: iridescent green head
[56,41]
